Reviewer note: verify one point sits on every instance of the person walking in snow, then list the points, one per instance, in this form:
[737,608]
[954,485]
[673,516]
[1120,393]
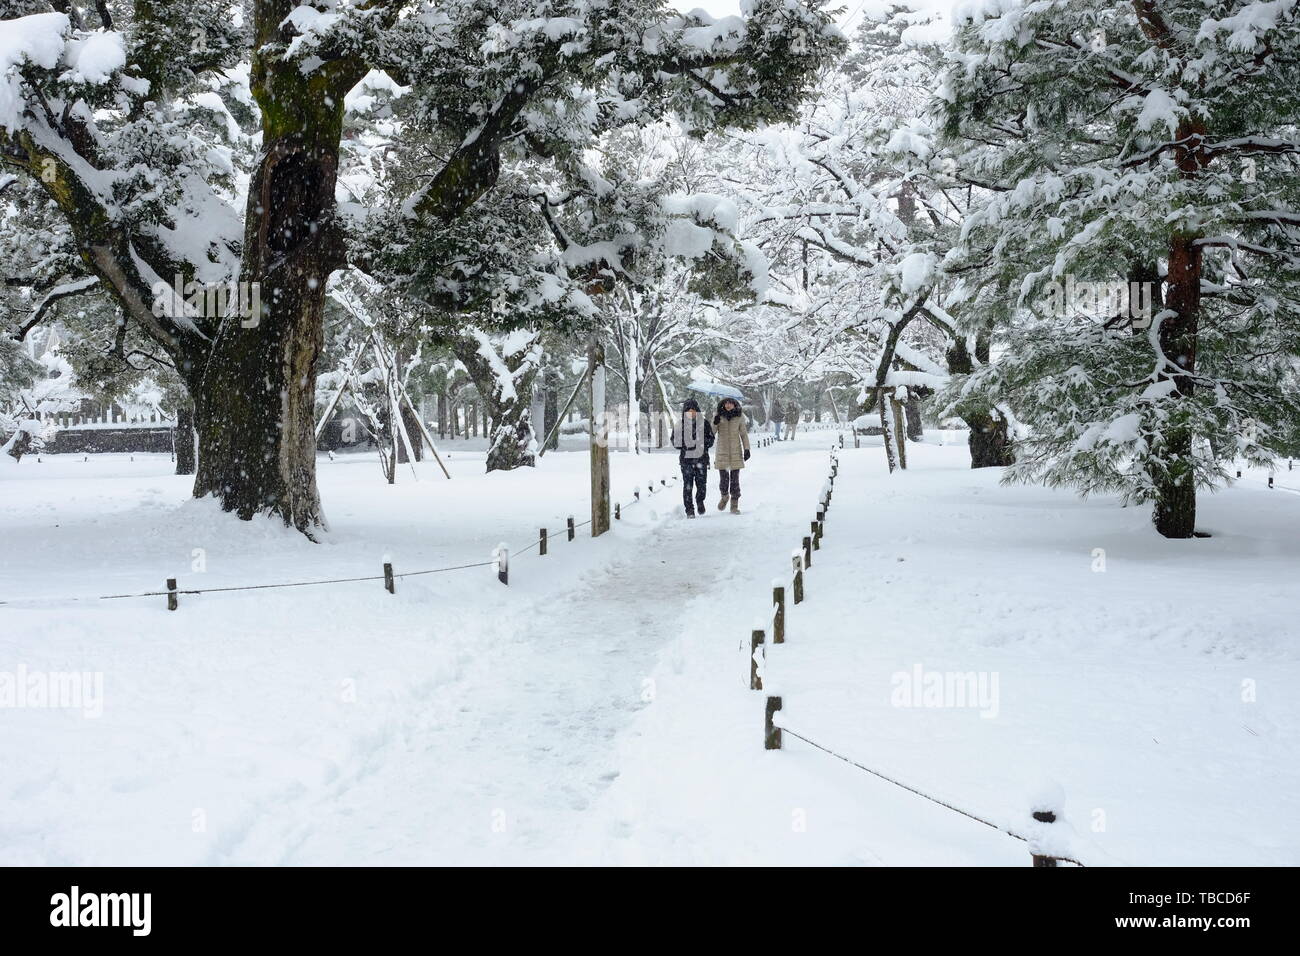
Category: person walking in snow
[693,437]
[733,451]
[778,417]
[792,415]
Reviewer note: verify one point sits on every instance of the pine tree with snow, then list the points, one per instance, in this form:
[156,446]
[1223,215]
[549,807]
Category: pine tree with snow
[1138,235]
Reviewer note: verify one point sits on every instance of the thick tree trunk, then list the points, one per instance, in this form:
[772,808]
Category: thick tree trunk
[989,440]
[1172,468]
[511,441]
[412,423]
[183,439]
[257,455]
[254,402]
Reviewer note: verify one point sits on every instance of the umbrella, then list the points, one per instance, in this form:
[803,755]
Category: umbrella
[713,388]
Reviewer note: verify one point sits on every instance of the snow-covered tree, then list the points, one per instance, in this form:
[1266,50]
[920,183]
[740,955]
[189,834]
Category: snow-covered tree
[110,113]
[1149,148]
[852,204]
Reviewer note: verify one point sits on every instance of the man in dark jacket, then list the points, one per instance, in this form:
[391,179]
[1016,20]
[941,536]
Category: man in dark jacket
[693,437]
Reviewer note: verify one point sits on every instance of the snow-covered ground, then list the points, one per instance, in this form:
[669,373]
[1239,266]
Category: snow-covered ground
[597,710]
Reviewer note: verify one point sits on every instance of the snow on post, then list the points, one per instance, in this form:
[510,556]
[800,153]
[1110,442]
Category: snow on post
[756,657]
[778,611]
[771,732]
[1047,836]
[501,555]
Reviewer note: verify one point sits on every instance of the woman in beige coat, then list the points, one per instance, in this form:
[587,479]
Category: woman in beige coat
[731,451]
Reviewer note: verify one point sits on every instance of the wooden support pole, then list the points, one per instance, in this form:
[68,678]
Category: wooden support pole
[778,614]
[771,732]
[541,541]
[755,648]
[559,419]
[173,600]
[570,527]
[389,585]
[599,439]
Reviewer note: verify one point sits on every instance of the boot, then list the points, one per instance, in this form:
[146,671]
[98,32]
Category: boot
[701,509]
[735,506]
[723,502]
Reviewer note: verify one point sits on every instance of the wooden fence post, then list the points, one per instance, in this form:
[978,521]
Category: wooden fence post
[807,551]
[778,613]
[570,527]
[816,539]
[618,511]
[389,585]
[771,732]
[755,643]
[796,560]
[502,556]
[172,599]
[1043,816]
[541,545]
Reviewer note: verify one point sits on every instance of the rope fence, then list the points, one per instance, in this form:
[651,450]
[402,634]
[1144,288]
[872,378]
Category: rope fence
[501,556]
[774,730]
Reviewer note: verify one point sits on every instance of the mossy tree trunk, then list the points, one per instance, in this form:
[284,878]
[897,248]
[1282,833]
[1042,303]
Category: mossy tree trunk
[255,400]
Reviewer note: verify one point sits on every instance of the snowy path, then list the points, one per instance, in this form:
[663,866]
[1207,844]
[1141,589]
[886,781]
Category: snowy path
[596,711]
[502,765]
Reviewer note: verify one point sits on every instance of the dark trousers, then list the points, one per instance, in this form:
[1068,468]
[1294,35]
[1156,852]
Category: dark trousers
[729,482]
[695,475]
